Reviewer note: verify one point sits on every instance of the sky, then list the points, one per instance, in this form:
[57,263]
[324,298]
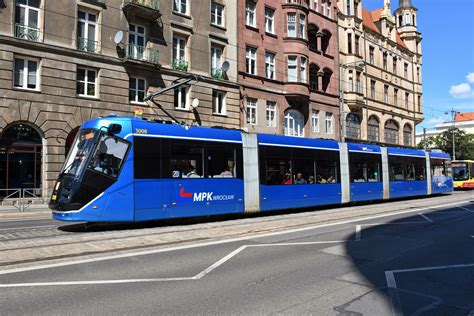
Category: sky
[447,28]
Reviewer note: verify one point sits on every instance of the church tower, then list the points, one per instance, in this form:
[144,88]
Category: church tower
[406,21]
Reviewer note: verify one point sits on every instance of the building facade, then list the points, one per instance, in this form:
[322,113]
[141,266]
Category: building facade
[63,62]
[380,56]
[288,67]
[463,121]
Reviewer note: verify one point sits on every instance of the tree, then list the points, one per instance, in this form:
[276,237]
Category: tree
[444,141]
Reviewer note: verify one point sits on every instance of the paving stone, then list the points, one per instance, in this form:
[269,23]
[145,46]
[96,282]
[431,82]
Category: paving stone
[50,243]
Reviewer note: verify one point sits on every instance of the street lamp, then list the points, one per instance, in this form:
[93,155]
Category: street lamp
[342,68]
[453,115]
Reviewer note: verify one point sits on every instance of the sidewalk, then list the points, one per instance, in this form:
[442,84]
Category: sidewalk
[74,244]
[34,210]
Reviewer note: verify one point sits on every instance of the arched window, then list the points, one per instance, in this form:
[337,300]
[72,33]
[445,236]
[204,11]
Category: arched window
[22,144]
[313,37]
[353,125]
[391,132]
[325,41]
[313,77]
[327,80]
[294,123]
[373,129]
[407,135]
[70,139]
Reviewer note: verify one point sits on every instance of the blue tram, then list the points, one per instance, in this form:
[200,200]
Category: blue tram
[124,169]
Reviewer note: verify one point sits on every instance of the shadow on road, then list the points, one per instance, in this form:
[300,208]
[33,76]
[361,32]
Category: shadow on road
[422,264]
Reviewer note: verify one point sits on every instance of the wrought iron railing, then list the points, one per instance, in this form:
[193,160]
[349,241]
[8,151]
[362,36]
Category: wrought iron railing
[20,199]
[136,52]
[179,64]
[152,4]
[87,45]
[27,33]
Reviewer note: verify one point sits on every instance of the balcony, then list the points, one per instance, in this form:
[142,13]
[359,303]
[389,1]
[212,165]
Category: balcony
[141,53]
[302,4]
[149,9]
[27,33]
[355,99]
[218,73]
[87,45]
[180,65]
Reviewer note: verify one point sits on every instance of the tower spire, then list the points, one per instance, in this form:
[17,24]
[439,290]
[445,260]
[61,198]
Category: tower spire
[387,12]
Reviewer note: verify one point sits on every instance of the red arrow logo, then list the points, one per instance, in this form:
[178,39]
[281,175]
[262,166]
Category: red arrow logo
[183,194]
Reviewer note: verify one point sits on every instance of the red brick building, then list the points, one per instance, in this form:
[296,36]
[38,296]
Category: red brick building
[288,67]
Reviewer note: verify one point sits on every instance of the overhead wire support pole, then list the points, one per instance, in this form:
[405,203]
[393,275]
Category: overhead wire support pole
[453,118]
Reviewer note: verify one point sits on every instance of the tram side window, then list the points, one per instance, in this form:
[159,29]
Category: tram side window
[420,168]
[406,168]
[186,159]
[109,155]
[327,167]
[303,166]
[147,159]
[221,160]
[438,168]
[275,165]
[447,168]
[396,168]
[365,167]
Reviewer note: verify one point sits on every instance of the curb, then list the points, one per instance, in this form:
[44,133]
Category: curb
[69,246]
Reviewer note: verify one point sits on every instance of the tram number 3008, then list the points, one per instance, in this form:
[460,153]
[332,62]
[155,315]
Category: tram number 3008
[141,131]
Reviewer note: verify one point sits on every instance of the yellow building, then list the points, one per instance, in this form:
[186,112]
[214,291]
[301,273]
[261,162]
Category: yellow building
[380,70]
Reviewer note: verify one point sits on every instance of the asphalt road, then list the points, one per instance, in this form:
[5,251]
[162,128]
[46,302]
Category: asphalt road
[412,264]
[26,223]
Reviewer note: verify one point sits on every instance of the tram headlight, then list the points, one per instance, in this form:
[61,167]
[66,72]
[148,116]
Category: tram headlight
[57,185]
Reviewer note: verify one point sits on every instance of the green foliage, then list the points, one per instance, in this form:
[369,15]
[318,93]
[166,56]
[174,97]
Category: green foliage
[444,141]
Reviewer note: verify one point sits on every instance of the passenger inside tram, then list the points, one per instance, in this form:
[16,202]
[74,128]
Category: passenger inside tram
[287,179]
[299,179]
[227,173]
[321,179]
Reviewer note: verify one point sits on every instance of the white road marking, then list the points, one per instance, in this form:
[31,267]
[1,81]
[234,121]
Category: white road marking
[466,209]
[451,266]
[393,293]
[358,231]
[426,217]
[198,276]
[422,310]
[220,262]
[392,285]
[95,282]
[213,243]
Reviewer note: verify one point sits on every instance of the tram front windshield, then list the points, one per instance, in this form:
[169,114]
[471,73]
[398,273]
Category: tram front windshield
[460,171]
[79,153]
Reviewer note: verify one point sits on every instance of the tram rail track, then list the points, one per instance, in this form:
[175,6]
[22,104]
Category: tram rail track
[72,241]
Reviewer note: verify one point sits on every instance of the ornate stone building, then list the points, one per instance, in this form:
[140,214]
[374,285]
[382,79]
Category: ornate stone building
[380,56]
[288,67]
[63,62]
